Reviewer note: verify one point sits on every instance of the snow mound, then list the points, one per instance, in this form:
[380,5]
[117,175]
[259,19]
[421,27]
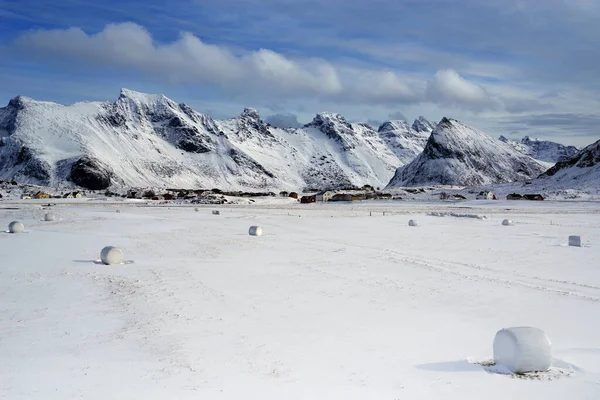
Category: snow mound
[523,349]
[456,215]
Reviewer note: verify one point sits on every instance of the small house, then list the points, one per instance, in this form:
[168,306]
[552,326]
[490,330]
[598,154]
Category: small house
[41,195]
[283,193]
[68,195]
[535,197]
[308,199]
[323,196]
[168,196]
[293,195]
[77,195]
[514,196]
[386,196]
[356,197]
[25,196]
[485,195]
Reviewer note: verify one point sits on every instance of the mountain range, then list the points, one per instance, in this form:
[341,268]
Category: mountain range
[147,140]
[456,154]
[542,150]
[143,140]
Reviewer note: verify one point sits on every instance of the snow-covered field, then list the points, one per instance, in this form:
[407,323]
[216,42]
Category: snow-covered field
[336,301]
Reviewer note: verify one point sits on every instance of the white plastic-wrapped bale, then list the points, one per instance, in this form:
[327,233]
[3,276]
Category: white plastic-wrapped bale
[16,227]
[507,222]
[112,255]
[523,349]
[412,222]
[49,216]
[575,241]
[216,212]
[255,231]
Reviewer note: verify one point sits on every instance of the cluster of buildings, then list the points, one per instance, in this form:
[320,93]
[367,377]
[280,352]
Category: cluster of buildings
[44,195]
[333,196]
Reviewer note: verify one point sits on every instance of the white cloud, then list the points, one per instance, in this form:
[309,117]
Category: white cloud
[447,86]
[255,75]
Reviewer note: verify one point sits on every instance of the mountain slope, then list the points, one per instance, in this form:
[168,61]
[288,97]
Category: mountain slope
[581,171]
[149,140]
[422,125]
[542,150]
[456,154]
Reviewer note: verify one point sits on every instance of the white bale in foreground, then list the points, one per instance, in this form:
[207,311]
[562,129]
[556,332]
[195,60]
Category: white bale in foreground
[412,222]
[112,255]
[255,231]
[507,222]
[575,241]
[49,217]
[216,212]
[523,349]
[16,227]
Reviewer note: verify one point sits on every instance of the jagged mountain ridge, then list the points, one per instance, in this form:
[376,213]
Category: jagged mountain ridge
[583,170]
[456,154]
[542,150]
[149,140]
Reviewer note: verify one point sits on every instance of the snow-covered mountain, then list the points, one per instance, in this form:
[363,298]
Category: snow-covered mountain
[542,150]
[149,140]
[456,154]
[581,171]
[422,125]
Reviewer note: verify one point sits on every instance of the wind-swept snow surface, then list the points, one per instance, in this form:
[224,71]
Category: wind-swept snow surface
[330,303]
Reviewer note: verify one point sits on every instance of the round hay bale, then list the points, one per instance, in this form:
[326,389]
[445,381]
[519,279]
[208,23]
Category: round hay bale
[255,231]
[412,222]
[49,217]
[112,255]
[196,209]
[507,222]
[523,349]
[16,227]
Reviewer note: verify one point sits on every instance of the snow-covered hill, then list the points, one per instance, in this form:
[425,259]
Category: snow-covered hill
[456,154]
[542,150]
[580,171]
[149,140]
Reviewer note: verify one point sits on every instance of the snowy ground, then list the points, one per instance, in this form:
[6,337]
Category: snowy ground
[331,303]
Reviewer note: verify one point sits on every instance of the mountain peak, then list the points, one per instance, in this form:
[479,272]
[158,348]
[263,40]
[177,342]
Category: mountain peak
[250,113]
[394,125]
[421,124]
[144,98]
[457,154]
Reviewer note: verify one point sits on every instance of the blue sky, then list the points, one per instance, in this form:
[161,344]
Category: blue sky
[511,67]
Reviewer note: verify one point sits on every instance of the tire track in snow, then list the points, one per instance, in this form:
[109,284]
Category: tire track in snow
[472,271]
